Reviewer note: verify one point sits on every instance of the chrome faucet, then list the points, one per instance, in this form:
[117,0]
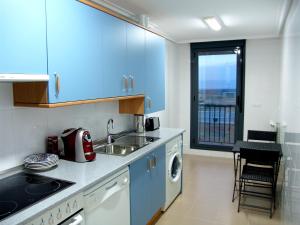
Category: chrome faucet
[109,135]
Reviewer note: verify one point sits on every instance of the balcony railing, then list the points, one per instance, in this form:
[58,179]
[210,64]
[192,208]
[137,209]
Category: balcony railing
[216,124]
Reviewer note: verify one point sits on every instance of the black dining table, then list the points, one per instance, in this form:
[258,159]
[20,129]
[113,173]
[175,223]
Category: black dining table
[263,146]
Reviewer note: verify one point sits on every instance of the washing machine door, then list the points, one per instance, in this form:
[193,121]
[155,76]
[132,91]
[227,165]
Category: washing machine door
[175,167]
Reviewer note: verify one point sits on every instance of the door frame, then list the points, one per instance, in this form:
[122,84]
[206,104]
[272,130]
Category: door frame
[240,99]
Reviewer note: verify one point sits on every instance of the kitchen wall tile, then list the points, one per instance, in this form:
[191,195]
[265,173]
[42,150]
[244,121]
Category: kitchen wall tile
[6,96]
[24,130]
[29,131]
[7,159]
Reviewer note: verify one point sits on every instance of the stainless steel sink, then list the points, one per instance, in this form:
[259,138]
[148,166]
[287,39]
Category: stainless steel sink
[114,149]
[123,145]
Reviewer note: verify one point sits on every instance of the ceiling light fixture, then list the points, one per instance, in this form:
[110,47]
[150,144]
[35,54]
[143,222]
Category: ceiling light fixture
[213,23]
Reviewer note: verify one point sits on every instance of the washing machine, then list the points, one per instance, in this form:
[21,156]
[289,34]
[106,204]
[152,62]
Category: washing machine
[173,170]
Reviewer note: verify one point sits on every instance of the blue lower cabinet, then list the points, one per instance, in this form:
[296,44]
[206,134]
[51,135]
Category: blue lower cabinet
[158,180]
[147,186]
[155,73]
[23,37]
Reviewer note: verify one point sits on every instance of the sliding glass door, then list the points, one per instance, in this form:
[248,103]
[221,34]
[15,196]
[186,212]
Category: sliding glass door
[217,94]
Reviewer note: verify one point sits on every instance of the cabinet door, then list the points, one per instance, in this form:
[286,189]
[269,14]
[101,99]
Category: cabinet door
[74,33]
[115,80]
[140,191]
[135,59]
[158,179]
[155,73]
[23,37]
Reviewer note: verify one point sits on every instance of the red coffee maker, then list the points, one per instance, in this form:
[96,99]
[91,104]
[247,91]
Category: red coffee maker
[78,145]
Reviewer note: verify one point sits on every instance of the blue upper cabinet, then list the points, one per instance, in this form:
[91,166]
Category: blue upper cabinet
[135,59]
[155,74]
[23,37]
[113,50]
[123,48]
[74,37]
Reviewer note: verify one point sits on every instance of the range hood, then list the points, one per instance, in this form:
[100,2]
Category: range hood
[13,77]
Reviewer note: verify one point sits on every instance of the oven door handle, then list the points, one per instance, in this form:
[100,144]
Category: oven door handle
[77,220]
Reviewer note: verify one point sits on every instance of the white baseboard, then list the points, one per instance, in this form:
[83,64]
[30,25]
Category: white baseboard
[209,153]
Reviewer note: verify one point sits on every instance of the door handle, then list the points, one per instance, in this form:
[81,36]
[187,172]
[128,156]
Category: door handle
[57,84]
[239,103]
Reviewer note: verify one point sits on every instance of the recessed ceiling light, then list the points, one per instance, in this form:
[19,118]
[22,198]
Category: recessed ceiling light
[213,23]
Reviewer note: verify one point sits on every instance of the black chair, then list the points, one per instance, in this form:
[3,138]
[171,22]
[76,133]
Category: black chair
[254,179]
[261,136]
[256,135]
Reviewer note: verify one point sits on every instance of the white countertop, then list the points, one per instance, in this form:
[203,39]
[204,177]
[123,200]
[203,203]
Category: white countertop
[85,175]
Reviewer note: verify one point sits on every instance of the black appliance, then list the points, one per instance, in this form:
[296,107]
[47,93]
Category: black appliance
[152,123]
[22,190]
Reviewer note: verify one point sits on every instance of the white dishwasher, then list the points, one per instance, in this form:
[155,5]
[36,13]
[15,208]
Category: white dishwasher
[108,202]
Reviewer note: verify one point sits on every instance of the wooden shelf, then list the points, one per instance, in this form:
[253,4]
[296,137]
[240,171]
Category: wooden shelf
[35,95]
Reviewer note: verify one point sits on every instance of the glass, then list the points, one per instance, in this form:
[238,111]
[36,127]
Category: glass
[217,75]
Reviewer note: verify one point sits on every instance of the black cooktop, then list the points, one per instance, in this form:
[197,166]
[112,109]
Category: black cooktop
[23,189]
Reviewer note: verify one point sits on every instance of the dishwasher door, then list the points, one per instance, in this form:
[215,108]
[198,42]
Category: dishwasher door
[108,203]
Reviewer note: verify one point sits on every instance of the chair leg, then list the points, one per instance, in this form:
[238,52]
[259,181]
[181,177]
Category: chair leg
[235,165]
[272,201]
[274,191]
[240,194]
[234,189]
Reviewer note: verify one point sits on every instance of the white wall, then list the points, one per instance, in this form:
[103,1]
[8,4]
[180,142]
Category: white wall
[290,116]
[262,78]
[24,130]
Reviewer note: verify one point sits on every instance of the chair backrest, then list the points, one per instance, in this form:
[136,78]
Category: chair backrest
[259,156]
[256,135]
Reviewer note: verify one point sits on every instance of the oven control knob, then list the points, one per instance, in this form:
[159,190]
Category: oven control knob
[51,220]
[75,205]
[59,215]
[68,209]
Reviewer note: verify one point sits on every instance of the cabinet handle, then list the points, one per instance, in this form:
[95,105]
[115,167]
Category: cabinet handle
[125,80]
[150,103]
[57,84]
[148,164]
[131,81]
[154,161]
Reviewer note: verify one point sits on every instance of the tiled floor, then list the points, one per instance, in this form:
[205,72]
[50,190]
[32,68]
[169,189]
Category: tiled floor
[206,198]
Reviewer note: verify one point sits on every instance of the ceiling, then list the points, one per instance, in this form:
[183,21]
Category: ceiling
[180,20]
